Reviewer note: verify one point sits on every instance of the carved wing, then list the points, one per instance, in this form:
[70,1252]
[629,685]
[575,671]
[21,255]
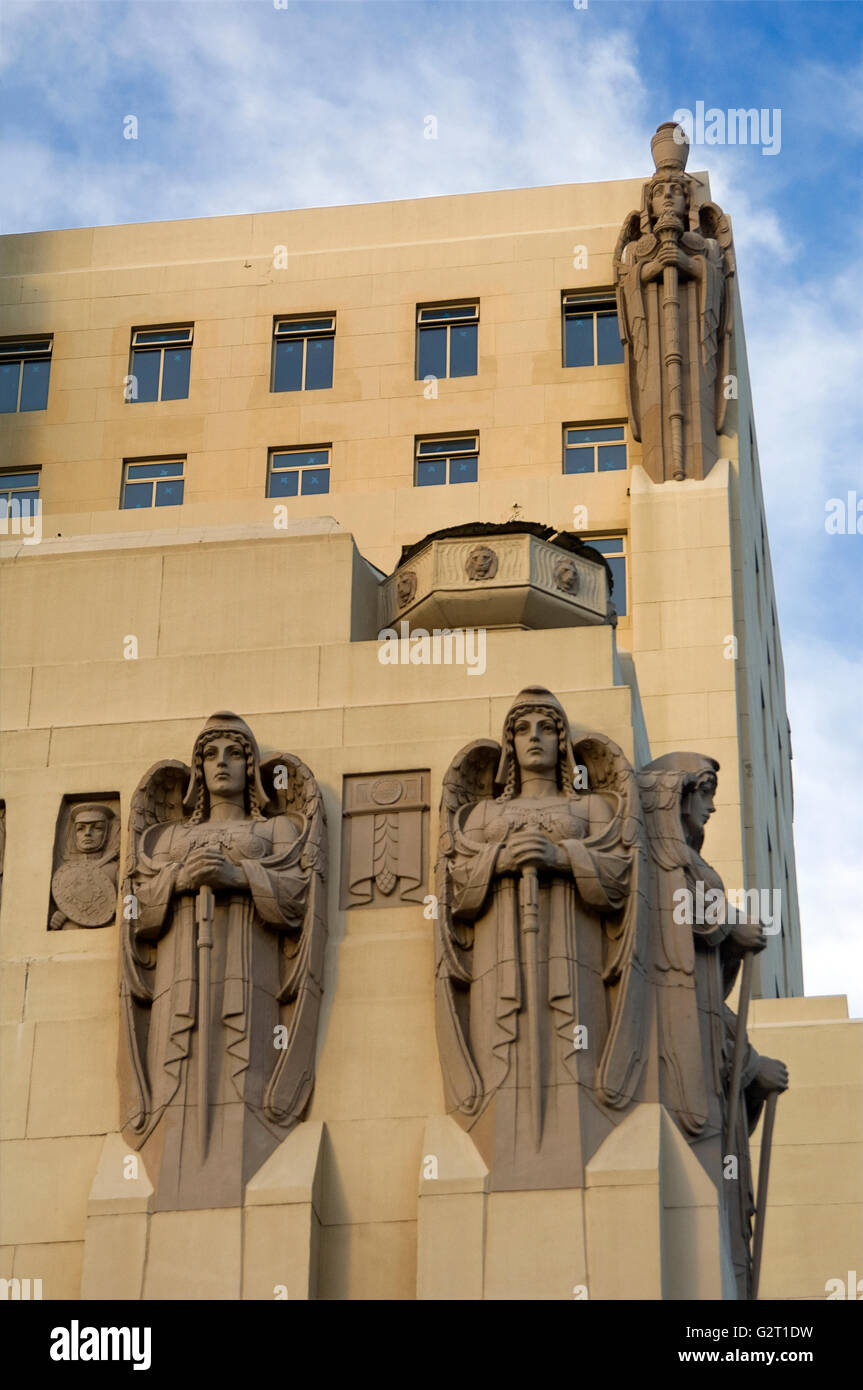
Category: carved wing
[157,798]
[673,951]
[468,779]
[626,968]
[297,795]
[632,312]
[717,309]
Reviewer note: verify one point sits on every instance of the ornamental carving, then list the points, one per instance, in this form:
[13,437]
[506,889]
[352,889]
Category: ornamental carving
[384,839]
[86,852]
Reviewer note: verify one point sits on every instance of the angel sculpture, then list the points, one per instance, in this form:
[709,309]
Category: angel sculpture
[672,332]
[222,962]
[541,944]
[696,963]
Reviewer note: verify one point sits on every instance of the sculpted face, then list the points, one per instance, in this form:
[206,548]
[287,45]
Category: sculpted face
[668,195]
[91,831]
[224,762]
[698,806]
[536,742]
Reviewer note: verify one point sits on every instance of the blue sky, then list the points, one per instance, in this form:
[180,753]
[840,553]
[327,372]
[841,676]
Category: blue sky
[248,107]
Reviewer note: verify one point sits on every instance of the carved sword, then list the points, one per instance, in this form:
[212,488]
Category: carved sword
[204,912]
[529,904]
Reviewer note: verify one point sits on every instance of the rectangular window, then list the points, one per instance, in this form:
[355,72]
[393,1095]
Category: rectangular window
[159,364]
[303,353]
[590,333]
[593,449]
[446,340]
[153,483]
[612,547]
[19,493]
[298,472]
[25,366]
[446,461]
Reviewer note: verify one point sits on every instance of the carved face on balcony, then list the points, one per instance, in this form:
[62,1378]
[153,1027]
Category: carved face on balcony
[566,576]
[481,563]
[406,587]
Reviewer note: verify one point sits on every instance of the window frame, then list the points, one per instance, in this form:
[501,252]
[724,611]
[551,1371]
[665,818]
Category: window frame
[446,455]
[153,462]
[598,303]
[622,554]
[468,318]
[281,334]
[301,452]
[15,349]
[7,494]
[621,425]
[161,348]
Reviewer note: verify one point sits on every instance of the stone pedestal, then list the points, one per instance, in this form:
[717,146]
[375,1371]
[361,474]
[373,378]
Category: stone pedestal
[267,1249]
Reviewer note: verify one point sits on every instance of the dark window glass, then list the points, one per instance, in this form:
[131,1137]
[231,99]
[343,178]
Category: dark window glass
[145,368]
[9,373]
[288,375]
[609,348]
[578,461]
[595,436]
[579,341]
[462,470]
[138,495]
[315,480]
[445,446]
[618,570]
[170,493]
[460,312]
[165,335]
[155,470]
[611,456]
[175,374]
[19,480]
[430,472]
[319,363]
[432,353]
[612,545]
[284,484]
[34,388]
[462,351]
[304,326]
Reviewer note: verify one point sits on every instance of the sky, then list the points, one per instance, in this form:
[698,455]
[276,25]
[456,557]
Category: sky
[258,105]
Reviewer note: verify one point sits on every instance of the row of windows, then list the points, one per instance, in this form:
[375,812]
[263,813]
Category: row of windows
[306,472]
[303,352]
[292,473]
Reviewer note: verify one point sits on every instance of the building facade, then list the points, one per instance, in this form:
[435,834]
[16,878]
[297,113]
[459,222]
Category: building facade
[236,427]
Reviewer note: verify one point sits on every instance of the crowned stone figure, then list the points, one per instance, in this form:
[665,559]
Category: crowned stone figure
[541,944]
[674,264]
[224,933]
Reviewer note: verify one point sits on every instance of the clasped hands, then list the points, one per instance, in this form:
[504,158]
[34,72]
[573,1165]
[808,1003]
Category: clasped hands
[210,866]
[531,849]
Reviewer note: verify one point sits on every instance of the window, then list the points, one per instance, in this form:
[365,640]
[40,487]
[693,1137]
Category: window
[446,461]
[303,353]
[153,483]
[25,365]
[595,449]
[446,340]
[613,549]
[19,493]
[590,333]
[298,472]
[159,365]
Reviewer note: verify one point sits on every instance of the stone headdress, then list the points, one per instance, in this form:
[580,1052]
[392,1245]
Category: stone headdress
[196,797]
[531,700]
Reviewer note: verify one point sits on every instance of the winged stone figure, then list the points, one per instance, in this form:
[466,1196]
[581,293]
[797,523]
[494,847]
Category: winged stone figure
[223,946]
[541,968]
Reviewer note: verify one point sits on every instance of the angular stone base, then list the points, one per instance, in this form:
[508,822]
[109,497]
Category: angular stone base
[267,1249]
[646,1225]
